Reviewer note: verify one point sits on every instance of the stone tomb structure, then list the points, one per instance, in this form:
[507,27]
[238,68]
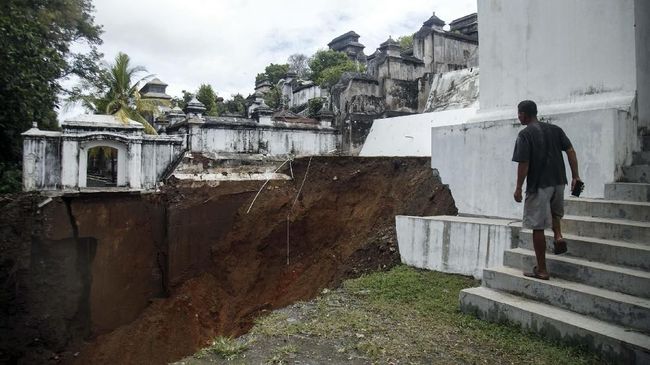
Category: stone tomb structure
[399,81]
[63,160]
[264,132]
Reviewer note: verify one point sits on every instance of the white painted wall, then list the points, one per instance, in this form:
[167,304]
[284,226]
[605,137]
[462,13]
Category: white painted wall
[41,162]
[558,50]
[70,164]
[475,158]
[458,245]
[268,140]
[642,20]
[303,96]
[410,135]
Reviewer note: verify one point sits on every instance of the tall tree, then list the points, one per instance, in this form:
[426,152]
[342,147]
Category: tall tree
[299,63]
[35,39]
[327,66]
[273,73]
[236,105]
[206,95]
[405,41]
[116,92]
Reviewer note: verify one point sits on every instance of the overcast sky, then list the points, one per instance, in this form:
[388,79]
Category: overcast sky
[227,42]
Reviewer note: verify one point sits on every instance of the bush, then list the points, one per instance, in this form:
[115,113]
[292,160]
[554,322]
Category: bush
[10,178]
[315,106]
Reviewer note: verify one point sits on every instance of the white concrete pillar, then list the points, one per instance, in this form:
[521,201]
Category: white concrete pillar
[70,164]
[134,162]
[30,176]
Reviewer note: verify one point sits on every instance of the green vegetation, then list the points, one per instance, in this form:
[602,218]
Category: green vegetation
[225,347]
[116,92]
[235,105]
[405,41]
[273,73]
[206,95]
[412,316]
[282,354]
[34,55]
[327,66]
[315,106]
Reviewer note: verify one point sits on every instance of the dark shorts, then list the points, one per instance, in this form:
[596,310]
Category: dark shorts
[543,205]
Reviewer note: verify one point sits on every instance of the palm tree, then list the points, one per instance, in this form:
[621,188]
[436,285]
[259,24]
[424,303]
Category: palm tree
[116,93]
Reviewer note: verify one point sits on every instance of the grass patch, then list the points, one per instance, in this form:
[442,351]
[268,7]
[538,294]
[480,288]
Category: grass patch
[225,347]
[412,316]
[282,354]
[403,316]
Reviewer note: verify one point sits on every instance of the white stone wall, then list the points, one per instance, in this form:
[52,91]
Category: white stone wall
[558,50]
[475,158]
[304,95]
[268,140]
[449,52]
[453,90]
[458,245]
[156,157]
[410,135]
[41,163]
[642,21]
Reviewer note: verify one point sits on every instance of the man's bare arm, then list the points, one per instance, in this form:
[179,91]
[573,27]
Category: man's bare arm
[573,164]
[522,171]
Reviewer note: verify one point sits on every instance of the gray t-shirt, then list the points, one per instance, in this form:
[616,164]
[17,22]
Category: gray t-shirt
[541,144]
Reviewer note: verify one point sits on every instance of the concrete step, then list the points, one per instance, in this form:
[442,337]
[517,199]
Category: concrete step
[613,307]
[616,209]
[641,158]
[617,253]
[628,191]
[607,228]
[615,343]
[621,279]
[636,173]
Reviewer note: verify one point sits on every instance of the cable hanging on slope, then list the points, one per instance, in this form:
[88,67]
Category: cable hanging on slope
[294,203]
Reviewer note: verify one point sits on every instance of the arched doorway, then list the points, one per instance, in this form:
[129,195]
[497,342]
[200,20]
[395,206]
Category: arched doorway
[102,167]
[109,163]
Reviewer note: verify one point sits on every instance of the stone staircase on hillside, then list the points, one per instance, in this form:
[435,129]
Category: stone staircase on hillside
[599,292]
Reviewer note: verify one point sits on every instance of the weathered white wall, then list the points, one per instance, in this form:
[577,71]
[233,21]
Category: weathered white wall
[450,53]
[410,135]
[453,90]
[556,50]
[642,20]
[458,245]
[475,158]
[42,162]
[157,155]
[267,140]
[302,96]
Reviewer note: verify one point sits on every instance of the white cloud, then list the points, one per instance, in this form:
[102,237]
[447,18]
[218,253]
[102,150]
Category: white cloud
[227,42]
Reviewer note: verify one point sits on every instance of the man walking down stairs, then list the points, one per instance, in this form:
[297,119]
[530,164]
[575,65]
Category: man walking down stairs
[598,294]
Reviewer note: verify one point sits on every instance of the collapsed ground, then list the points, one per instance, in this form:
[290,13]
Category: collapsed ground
[134,279]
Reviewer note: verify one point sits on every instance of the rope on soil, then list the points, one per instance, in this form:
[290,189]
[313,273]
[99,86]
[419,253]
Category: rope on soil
[294,203]
[266,182]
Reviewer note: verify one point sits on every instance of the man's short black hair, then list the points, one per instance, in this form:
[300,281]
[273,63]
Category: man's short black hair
[528,107]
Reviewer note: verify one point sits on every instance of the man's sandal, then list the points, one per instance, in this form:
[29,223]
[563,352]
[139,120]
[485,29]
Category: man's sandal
[535,274]
[559,246]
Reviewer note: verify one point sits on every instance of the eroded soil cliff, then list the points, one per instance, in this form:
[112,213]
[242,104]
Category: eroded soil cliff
[151,278]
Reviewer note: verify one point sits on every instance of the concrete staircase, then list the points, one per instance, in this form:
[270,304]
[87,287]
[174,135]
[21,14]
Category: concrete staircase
[599,292]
